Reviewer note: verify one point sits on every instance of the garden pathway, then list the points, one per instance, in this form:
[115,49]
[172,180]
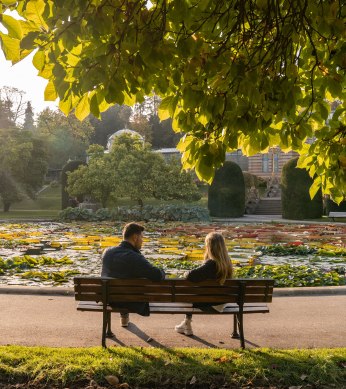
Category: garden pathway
[293,322]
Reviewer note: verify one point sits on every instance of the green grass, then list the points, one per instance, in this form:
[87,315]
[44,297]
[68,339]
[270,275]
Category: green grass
[46,206]
[48,199]
[29,214]
[155,368]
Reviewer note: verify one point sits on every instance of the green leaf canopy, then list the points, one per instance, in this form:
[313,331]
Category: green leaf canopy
[232,74]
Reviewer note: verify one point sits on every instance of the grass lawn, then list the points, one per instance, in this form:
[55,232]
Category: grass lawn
[173,368]
[46,206]
[29,214]
[48,199]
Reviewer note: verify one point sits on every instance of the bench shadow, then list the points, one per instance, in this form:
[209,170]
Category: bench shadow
[252,344]
[212,345]
[133,328]
[203,341]
[144,336]
[116,340]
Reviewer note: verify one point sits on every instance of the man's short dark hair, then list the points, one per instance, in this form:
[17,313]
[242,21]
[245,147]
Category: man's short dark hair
[132,229]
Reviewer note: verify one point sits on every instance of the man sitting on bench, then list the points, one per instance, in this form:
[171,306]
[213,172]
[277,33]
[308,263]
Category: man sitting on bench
[126,261]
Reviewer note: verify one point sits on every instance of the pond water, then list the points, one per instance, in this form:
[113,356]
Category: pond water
[52,253]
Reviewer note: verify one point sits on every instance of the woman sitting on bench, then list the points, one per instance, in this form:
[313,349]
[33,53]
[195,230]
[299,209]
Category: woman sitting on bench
[217,266]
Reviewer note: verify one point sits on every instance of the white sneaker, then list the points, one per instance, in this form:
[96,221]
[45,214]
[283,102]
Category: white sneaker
[185,327]
[124,320]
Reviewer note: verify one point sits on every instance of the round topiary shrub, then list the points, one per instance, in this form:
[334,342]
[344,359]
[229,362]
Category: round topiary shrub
[295,197]
[69,167]
[226,195]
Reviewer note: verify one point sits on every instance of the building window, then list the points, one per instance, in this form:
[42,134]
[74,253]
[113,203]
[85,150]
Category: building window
[276,162]
[265,163]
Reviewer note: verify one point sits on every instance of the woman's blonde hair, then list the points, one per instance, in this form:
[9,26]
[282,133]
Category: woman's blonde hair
[215,248]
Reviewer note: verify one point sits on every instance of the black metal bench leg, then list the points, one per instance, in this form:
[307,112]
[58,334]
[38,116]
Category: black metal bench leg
[104,328]
[235,334]
[241,330]
[109,333]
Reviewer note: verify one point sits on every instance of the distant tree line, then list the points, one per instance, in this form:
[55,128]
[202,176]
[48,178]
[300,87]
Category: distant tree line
[31,145]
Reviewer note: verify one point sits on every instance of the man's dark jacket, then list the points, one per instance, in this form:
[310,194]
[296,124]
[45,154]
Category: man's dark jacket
[125,261]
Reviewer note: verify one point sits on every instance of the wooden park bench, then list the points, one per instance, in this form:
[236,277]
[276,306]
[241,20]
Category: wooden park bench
[173,296]
[334,215]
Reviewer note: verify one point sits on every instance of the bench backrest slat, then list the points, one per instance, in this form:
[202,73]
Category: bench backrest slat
[89,297]
[172,290]
[87,288]
[121,289]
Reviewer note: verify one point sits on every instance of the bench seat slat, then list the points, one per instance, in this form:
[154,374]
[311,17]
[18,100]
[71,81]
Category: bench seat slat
[337,214]
[177,298]
[187,305]
[201,312]
[175,308]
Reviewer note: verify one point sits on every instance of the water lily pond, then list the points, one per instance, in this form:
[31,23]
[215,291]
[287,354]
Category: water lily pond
[51,254]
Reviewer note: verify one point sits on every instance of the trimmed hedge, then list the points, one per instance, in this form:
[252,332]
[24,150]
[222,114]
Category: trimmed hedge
[137,213]
[295,197]
[69,167]
[226,195]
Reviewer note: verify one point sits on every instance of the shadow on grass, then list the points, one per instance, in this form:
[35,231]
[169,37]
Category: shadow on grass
[150,367]
[233,368]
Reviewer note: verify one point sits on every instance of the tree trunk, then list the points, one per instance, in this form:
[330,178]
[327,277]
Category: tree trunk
[6,206]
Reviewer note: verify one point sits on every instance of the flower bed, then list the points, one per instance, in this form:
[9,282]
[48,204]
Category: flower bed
[294,255]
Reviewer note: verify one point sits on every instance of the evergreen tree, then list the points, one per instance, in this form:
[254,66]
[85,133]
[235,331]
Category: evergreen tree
[114,119]
[162,133]
[29,118]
